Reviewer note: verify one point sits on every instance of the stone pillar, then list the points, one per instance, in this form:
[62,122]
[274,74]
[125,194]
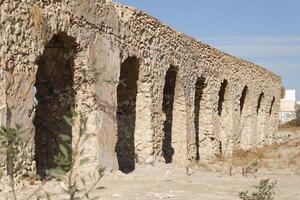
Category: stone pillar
[179,125]
[262,117]
[227,123]
[246,122]
[208,140]
[104,57]
[236,115]
[192,124]
[19,91]
[158,117]
[252,132]
[86,103]
[273,118]
[3,111]
[143,130]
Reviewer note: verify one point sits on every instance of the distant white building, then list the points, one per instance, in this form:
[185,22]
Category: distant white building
[289,107]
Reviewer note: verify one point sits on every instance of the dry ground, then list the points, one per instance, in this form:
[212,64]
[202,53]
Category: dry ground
[279,161]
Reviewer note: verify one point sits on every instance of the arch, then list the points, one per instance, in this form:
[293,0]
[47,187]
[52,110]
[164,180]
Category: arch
[224,118]
[261,119]
[271,107]
[243,98]
[221,95]
[200,85]
[259,101]
[126,114]
[55,97]
[246,134]
[179,125]
[167,106]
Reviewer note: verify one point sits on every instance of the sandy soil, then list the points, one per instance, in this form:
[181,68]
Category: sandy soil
[171,182]
[167,182]
[162,181]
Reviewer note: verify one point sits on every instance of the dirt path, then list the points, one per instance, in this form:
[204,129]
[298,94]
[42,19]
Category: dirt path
[161,181]
[169,182]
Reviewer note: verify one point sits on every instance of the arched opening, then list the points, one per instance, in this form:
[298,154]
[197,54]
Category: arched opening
[243,98]
[246,133]
[179,125]
[222,113]
[167,106]
[260,98]
[222,96]
[200,85]
[261,119]
[55,99]
[271,107]
[126,114]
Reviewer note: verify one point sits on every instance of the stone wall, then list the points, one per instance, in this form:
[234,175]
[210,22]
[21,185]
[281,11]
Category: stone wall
[211,106]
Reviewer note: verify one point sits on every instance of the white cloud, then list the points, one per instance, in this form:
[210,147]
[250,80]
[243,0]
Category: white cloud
[278,54]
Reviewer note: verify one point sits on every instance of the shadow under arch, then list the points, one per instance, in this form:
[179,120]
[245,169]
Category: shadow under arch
[126,114]
[167,107]
[55,98]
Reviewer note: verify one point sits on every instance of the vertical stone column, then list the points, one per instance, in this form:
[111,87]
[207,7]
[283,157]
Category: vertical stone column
[85,103]
[3,111]
[252,132]
[104,58]
[143,126]
[246,122]
[273,118]
[157,115]
[19,92]
[191,123]
[208,140]
[262,117]
[179,125]
[236,114]
[227,123]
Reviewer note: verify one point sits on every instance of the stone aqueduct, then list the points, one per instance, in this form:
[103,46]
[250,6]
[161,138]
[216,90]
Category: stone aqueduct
[149,93]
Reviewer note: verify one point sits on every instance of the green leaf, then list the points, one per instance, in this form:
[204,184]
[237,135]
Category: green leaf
[63,150]
[69,121]
[65,138]
[57,172]
[83,161]
[72,189]
[81,152]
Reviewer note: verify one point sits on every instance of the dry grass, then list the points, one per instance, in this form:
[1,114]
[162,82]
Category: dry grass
[203,165]
[278,155]
[241,157]
[293,144]
[252,160]
[294,124]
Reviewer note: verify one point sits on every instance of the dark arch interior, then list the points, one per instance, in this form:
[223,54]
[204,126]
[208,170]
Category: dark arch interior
[271,107]
[167,106]
[55,99]
[243,98]
[200,85]
[126,114]
[222,96]
[260,98]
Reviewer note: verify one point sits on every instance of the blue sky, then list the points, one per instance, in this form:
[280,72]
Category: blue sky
[266,32]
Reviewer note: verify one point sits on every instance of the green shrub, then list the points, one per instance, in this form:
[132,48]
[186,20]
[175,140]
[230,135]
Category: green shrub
[265,191]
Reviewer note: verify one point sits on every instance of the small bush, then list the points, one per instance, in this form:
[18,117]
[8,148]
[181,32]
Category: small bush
[265,191]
